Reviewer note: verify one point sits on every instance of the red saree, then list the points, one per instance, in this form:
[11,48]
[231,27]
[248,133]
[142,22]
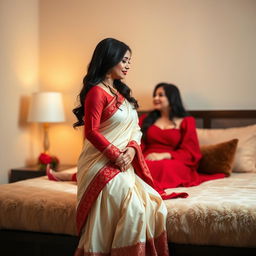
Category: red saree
[183,145]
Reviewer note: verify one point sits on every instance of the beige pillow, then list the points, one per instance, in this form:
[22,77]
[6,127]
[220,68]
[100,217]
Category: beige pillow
[245,160]
[245,156]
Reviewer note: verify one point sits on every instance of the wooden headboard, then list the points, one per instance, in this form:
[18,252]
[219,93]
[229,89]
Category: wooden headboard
[221,118]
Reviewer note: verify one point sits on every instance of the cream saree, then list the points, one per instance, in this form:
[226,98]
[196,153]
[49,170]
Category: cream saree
[117,212]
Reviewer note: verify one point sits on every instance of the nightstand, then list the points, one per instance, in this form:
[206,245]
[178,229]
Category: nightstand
[29,172]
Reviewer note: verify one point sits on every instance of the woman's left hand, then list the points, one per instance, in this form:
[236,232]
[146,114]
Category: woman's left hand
[158,156]
[128,155]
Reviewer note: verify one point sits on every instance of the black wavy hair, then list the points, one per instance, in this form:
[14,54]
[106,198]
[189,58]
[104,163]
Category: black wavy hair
[175,102]
[107,54]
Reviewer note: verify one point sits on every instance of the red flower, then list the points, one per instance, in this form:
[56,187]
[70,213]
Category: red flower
[45,159]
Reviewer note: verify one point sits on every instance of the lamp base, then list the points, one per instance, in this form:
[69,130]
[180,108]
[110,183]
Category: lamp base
[46,138]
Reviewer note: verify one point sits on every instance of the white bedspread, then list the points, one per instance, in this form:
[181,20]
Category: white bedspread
[218,212]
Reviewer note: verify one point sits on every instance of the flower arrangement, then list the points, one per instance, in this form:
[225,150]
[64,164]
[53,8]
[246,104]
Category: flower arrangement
[45,159]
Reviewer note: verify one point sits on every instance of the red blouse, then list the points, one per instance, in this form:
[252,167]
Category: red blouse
[96,102]
[183,145]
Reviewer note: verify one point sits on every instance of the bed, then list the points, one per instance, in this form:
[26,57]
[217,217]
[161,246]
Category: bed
[37,216]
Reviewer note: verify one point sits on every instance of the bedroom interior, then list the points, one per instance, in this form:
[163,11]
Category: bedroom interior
[205,47]
[218,217]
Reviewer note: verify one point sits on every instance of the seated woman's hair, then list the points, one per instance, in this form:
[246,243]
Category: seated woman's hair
[175,102]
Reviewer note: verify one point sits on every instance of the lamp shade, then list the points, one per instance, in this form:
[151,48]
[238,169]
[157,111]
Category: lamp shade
[46,107]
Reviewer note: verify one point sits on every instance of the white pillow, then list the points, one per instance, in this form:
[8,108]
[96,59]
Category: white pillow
[245,157]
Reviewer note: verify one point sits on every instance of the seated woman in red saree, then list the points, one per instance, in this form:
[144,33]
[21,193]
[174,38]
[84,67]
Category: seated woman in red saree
[170,143]
[118,210]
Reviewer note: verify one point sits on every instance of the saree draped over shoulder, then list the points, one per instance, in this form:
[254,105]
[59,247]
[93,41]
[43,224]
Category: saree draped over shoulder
[117,212]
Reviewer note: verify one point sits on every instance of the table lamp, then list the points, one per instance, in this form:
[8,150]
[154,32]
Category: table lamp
[45,108]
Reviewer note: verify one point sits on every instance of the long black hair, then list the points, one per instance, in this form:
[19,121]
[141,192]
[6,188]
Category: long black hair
[175,102]
[107,54]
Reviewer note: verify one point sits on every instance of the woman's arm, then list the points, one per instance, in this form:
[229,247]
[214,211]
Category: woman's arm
[158,156]
[188,151]
[95,102]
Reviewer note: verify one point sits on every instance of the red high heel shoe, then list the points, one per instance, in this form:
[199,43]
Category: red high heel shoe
[50,174]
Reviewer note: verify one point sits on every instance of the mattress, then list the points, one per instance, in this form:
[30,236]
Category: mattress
[39,205]
[219,212]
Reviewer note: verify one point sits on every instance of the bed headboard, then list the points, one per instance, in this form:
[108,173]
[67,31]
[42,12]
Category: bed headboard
[221,118]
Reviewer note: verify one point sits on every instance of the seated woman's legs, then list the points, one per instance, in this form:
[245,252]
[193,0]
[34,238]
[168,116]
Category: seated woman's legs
[59,176]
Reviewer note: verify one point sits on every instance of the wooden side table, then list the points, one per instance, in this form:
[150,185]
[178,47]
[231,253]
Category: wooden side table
[29,172]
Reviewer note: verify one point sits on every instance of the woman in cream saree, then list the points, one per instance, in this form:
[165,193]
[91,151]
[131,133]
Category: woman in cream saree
[118,212]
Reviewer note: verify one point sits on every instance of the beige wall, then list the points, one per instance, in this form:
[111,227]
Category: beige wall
[18,79]
[206,47]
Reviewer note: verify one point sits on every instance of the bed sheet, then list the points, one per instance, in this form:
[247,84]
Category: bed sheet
[219,212]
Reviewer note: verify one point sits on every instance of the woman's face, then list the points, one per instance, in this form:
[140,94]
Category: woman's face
[160,101]
[120,70]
